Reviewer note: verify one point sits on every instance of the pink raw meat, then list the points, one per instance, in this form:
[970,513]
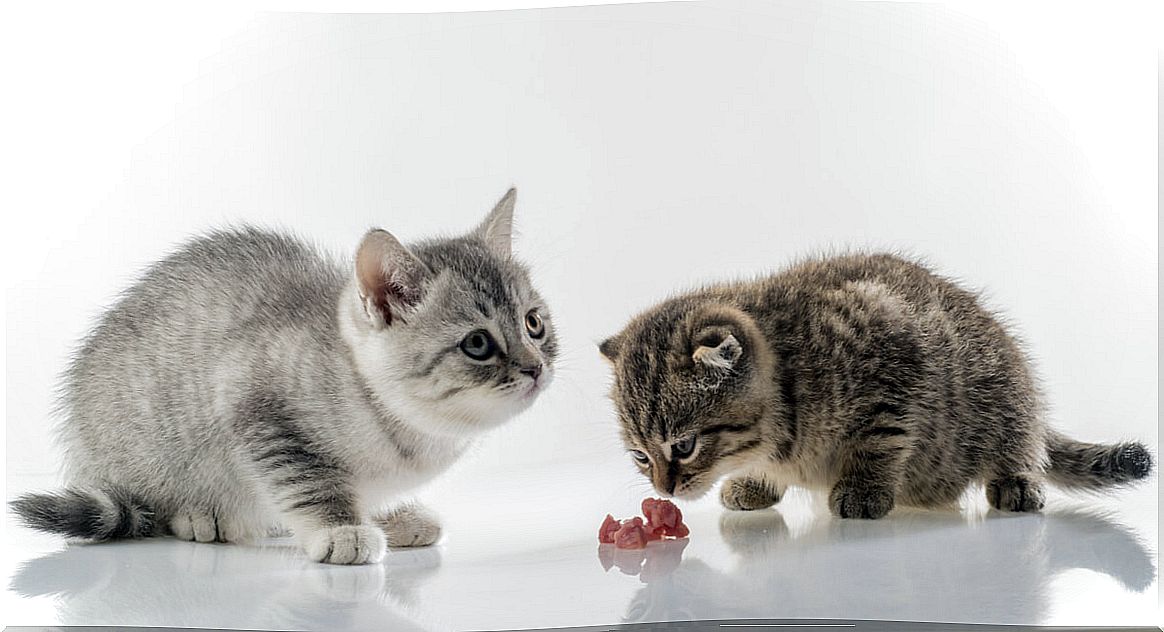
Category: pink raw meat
[631,534]
[664,520]
[608,529]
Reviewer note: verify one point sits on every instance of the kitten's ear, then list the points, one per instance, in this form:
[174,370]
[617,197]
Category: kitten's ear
[388,276]
[610,348]
[497,229]
[717,348]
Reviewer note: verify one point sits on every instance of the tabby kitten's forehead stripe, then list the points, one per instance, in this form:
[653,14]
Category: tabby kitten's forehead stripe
[248,381]
[659,407]
[864,375]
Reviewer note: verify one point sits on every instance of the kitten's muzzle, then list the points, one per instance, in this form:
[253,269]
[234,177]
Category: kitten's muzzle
[537,382]
[664,480]
[691,488]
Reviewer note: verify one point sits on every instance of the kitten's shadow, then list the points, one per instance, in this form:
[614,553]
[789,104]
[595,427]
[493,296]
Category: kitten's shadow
[912,565]
[184,584]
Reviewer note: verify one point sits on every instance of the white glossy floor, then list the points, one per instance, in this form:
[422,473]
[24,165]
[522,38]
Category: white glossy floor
[521,556]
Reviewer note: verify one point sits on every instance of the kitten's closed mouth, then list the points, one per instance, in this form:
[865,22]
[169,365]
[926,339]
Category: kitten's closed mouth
[535,388]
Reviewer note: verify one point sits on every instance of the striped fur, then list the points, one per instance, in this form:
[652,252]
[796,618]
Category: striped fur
[248,382]
[97,514]
[865,376]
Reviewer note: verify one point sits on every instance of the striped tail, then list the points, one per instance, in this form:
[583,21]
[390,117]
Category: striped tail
[89,514]
[1095,466]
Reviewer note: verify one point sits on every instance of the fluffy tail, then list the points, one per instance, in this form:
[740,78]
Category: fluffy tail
[1095,466]
[104,514]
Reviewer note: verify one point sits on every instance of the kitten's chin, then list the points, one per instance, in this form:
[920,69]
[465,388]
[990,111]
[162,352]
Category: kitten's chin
[686,492]
[690,494]
[526,397]
[511,404]
[471,415]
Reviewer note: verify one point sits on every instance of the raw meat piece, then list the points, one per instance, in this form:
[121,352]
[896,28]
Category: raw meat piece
[661,513]
[631,534]
[664,520]
[607,530]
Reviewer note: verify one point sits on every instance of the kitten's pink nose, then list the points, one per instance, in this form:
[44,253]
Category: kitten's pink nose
[534,371]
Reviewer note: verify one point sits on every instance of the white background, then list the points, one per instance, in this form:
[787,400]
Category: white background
[654,147]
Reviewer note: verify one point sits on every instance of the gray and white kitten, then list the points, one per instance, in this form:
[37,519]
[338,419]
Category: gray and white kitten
[248,383]
[865,376]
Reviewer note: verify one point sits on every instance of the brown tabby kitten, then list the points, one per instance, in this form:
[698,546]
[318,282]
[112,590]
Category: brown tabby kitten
[865,375]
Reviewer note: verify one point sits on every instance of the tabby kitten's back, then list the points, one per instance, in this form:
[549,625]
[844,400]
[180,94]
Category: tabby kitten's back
[868,376]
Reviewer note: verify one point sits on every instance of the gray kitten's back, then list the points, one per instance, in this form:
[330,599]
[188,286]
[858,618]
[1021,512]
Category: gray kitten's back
[249,381]
[214,306]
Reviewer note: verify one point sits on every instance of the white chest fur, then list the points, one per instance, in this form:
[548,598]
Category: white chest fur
[390,459]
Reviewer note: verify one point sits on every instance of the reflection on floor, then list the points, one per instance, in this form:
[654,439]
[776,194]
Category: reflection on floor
[923,566]
[220,586]
[795,562]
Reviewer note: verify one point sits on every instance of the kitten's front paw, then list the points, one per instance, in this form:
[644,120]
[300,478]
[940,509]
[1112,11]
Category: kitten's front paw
[349,544]
[746,493]
[848,500]
[1015,493]
[410,524]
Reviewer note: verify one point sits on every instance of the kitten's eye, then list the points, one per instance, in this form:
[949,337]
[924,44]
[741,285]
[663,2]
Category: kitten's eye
[683,448]
[640,456]
[534,324]
[479,345]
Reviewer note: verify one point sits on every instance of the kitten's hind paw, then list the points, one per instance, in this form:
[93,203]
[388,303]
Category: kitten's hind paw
[201,526]
[747,493]
[848,500]
[410,524]
[349,544]
[1015,493]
